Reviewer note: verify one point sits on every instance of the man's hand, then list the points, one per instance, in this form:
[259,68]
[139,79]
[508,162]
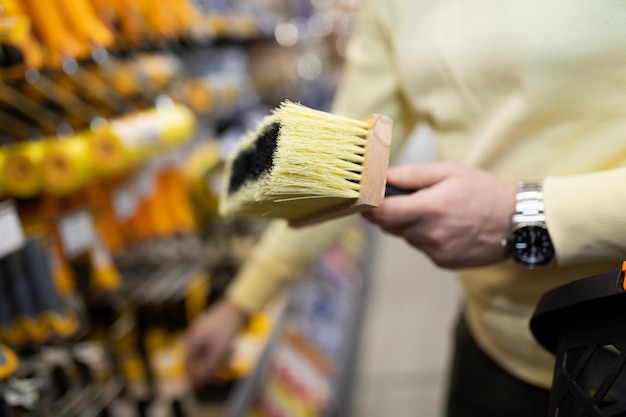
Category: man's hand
[209,341]
[458,216]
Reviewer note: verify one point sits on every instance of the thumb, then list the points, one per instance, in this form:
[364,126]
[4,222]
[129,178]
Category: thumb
[418,176]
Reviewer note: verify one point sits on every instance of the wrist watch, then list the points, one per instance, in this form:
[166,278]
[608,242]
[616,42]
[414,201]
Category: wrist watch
[529,242]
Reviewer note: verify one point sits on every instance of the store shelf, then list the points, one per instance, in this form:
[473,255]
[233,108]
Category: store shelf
[115,120]
[308,366]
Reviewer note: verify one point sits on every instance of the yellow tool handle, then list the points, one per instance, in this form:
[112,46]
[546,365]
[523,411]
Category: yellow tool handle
[62,273]
[159,23]
[30,108]
[16,30]
[80,16]
[98,193]
[64,326]
[104,273]
[66,165]
[129,20]
[94,86]
[71,103]
[53,33]
[8,362]
[15,127]
[22,169]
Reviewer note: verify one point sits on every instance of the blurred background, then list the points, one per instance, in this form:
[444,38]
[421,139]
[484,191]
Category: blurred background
[115,119]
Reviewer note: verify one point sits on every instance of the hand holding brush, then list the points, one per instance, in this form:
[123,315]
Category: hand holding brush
[457,218]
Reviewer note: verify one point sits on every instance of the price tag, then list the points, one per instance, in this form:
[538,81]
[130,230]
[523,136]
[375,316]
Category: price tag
[144,183]
[124,202]
[138,131]
[10,230]
[77,233]
[101,256]
[148,127]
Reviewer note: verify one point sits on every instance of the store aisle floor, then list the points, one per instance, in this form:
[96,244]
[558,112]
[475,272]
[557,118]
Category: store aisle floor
[405,345]
[407,327]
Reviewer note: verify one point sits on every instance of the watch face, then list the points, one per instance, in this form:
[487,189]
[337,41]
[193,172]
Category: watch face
[531,246]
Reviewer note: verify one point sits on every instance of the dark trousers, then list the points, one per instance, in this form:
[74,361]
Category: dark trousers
[480,388]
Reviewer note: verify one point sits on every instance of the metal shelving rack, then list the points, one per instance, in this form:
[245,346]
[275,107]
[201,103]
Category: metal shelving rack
[257,394]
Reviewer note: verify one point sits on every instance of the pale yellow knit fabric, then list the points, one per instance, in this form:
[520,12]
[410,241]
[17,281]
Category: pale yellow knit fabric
[529,90]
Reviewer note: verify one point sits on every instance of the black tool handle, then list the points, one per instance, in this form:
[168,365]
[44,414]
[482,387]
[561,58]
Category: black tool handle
[6,308]
[37,263]
[19,288]
[391,191]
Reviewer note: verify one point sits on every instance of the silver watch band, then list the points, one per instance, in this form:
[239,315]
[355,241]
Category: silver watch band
[529,207]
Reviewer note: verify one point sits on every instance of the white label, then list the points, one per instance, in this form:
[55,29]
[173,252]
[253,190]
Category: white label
[77,233]
[101,256]
[141,130]
[149,129]
[144,183]
[124,203]
[126,133]
[11,233]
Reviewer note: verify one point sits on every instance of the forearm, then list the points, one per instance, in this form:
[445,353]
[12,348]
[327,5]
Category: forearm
[282,256]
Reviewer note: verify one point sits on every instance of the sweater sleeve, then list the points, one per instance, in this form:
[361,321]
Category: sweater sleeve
[369,85]
[586,216]
[282,255]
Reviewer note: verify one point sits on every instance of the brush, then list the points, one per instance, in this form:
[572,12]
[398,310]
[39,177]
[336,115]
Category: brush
[308,166]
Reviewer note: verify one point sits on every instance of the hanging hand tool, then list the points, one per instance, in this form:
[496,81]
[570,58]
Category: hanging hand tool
[15,128]
[63,322]
[22,296]
[74,106]
[9,333]
[49,121]
[8,362]
[17,41]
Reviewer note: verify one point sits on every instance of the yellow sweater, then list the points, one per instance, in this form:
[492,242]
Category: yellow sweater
[527,90]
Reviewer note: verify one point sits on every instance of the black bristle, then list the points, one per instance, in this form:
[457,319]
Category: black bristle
[255,161]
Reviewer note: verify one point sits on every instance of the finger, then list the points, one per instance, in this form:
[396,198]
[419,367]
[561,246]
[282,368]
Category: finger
[196,377]
[194,350]
[191,353]
[199,357]
[378,218]
[419,176]
[196,367]
[223,369]
[401,211]
[203,371]
[197,373]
